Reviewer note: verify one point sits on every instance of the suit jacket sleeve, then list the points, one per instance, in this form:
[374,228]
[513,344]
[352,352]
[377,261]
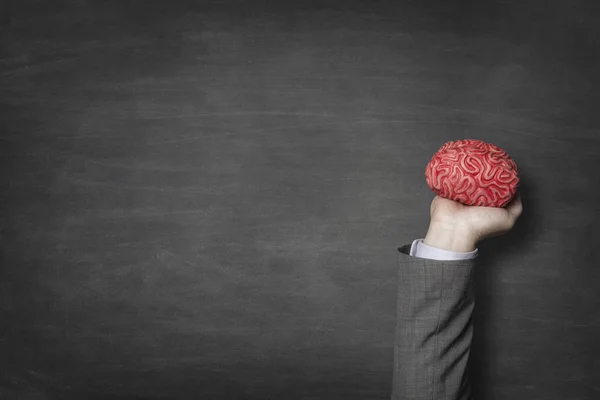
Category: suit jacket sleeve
[433,329]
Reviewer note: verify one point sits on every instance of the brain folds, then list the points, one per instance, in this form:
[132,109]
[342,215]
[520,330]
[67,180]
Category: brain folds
[474,173]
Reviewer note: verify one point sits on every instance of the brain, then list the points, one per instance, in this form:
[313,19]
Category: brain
[474,173]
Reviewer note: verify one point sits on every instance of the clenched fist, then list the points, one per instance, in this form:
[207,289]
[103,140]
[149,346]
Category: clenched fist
[458,227]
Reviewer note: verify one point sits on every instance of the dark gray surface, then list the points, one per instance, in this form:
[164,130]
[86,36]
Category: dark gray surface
[205,201]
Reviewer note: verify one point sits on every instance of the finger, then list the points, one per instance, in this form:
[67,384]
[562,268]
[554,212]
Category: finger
[515,207]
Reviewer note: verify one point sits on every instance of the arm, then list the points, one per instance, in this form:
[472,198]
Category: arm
[434,328]
[435,300]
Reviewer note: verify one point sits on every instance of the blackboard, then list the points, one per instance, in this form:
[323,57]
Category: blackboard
[204,199]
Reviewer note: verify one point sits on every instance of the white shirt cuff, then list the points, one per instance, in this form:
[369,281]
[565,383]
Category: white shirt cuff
[421,250]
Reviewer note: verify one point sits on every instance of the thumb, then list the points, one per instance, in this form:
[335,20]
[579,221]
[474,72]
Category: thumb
[515,207]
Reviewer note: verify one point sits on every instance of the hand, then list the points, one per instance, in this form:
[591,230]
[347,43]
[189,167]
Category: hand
[472,224]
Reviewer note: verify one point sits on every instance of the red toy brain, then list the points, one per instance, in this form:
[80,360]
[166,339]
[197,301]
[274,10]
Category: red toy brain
[474,173]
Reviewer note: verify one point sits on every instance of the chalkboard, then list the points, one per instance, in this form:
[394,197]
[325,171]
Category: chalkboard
[205,199]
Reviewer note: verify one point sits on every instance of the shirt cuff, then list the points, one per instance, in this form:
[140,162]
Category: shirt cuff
[421,250]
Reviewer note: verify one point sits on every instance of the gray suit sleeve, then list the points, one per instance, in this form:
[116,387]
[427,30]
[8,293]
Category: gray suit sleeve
[433,329]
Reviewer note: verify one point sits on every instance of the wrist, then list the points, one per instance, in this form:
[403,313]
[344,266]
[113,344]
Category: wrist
[449,238]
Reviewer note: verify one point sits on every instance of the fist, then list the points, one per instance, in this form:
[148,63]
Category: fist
[474,223]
